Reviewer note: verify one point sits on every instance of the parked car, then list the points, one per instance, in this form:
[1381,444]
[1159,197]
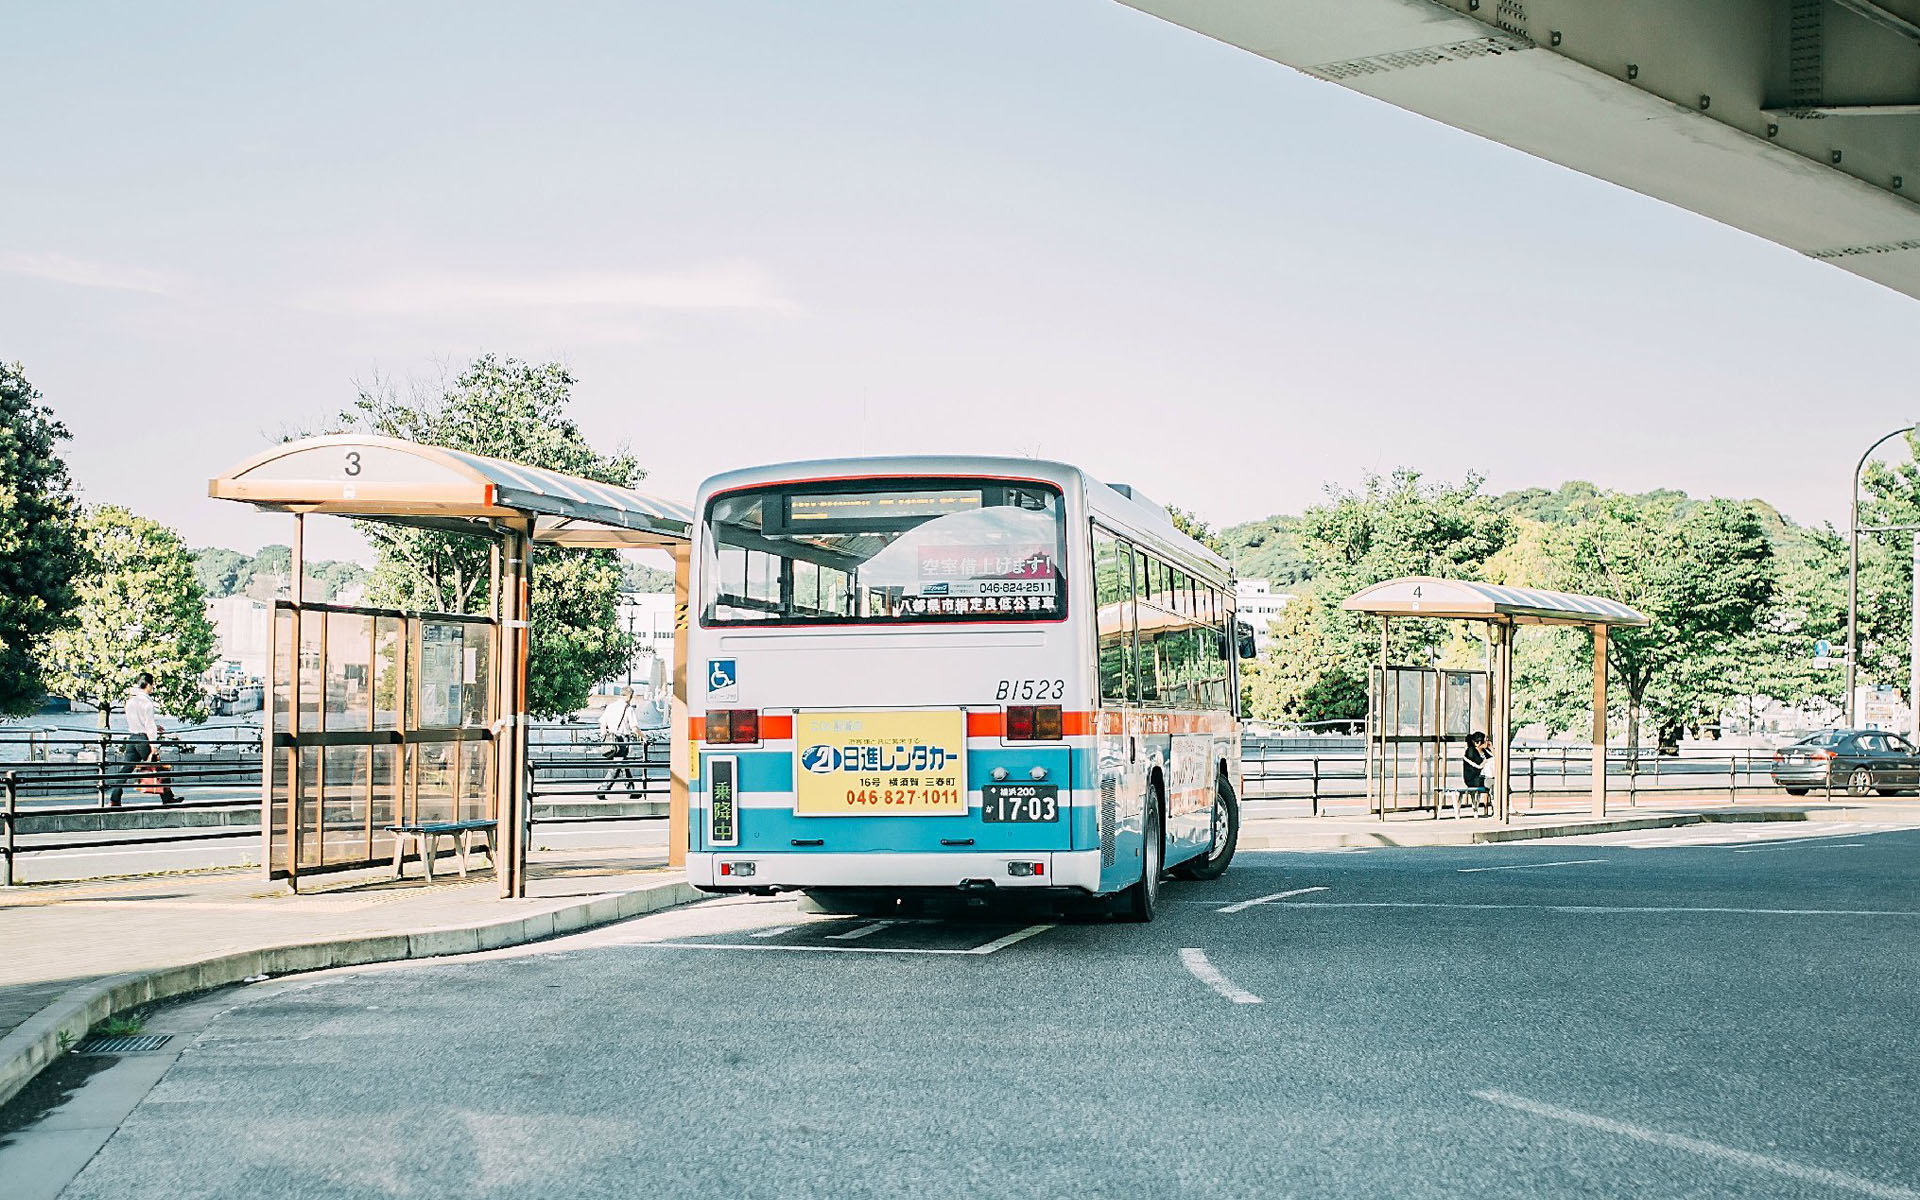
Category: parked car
[1859,761]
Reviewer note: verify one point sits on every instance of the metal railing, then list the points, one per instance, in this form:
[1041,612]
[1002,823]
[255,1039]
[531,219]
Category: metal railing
[57,783]
[59,780]
[1538,771]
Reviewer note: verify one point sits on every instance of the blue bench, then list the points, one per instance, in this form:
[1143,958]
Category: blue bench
[425,837]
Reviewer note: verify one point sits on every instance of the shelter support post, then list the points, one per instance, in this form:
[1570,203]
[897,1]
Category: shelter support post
[509,743]
[1599,720]
[1500,720]
[296,593]
[1381,721]
[679,747]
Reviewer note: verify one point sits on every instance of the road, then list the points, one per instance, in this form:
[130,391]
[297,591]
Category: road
[1663,1014]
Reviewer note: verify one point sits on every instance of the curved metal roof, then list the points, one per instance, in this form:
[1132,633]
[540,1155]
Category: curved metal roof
[1465,599]
[384,478]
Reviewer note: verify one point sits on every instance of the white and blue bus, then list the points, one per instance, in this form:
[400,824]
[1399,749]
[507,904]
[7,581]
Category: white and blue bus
[931,675]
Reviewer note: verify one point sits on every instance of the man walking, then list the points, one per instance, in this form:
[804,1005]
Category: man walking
[616,731]
[142,744]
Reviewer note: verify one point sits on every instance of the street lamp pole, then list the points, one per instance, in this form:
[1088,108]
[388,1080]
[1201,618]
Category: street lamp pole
[1853,576]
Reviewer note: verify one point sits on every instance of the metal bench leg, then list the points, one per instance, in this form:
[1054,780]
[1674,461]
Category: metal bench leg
[399,850]
[429,843]
[466,838]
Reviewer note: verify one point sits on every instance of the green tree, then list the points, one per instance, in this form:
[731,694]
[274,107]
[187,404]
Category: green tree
[1391,528]
[40,545]
[1197,529]
[1890,496]
[504,408]
[1300,676]
[1704,573]
[142,608]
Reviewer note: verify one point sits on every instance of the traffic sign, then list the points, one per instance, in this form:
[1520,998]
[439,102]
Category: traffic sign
[1823,649]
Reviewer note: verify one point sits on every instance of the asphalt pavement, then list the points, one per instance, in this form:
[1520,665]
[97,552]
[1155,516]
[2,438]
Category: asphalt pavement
[1728,1013]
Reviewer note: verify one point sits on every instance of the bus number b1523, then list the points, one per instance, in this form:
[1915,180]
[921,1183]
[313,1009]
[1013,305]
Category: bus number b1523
[1032,689]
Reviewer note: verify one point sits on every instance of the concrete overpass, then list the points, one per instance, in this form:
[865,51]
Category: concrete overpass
[1797,120]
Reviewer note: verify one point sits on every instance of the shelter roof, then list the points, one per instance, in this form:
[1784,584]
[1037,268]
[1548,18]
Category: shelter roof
[1465,599]
[383,478]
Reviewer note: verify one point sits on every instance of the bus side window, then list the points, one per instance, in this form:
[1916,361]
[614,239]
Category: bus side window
[1113,600]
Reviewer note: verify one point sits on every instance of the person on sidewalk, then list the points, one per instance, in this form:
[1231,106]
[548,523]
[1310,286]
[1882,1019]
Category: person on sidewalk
[143,742]
[1476,770]
[618,724]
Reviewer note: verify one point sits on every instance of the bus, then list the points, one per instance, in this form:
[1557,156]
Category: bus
[925,676]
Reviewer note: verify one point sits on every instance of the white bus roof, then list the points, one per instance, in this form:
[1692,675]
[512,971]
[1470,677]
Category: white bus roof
[1126,514]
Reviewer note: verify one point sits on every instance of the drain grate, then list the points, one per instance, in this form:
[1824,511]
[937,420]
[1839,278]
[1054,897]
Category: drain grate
[123,1045]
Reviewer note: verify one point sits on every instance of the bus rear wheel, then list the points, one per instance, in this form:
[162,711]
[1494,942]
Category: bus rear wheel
[1138,902]
[1226,835]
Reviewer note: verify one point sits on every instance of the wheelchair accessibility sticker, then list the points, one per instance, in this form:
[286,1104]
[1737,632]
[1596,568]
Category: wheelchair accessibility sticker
[723,680]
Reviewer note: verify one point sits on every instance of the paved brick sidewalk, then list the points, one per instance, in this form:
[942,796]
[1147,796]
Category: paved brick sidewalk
[56,936]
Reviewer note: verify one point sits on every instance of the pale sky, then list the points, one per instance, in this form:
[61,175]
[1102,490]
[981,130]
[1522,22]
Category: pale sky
[766,230]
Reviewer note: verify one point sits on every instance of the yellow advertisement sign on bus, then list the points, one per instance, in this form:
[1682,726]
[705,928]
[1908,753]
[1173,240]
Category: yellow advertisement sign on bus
[880,763]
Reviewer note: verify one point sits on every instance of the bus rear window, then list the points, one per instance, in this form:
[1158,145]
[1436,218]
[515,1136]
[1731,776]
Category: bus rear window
[885,552]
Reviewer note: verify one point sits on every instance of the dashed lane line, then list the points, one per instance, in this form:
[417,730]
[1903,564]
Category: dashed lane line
[1018,935]
[776,931]
[1196,963]
[1704,1148]
[1246,904]
[1571,862]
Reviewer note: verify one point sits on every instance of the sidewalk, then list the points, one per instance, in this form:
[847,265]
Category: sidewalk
[1565,819]
[77,952]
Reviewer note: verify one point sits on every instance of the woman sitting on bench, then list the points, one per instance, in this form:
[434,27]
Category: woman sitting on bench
[1476,769]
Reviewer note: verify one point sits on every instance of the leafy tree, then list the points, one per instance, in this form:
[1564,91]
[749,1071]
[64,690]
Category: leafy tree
[142,608]
[1705,578]
[507,409]
[1300,676]
[1392,528]
[40,546]
[1197,529]
[1890,496]
[265,575]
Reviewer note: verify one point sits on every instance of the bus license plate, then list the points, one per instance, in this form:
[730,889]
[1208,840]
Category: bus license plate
[1020,802]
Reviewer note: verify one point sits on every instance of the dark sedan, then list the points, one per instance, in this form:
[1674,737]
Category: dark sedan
[1858,761]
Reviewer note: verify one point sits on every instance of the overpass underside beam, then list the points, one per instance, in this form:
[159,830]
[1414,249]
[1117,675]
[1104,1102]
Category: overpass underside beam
[1796,120]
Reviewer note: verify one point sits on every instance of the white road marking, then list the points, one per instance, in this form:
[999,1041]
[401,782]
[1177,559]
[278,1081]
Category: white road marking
[1571,862]
[1675,1141]
[863,931]
[1777,849]
[1246,904]
[776,931]
[997,944]
[1604,909]
[1018,935]
[1196,962]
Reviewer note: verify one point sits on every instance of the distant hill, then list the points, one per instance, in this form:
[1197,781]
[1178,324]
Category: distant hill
[1268,549]
[226,572]
[1271,547]
[637,577]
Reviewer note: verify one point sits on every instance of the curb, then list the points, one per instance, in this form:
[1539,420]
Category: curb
[35,1043]
[1410,835]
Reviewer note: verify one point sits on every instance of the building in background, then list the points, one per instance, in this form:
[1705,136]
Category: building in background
[1259,604]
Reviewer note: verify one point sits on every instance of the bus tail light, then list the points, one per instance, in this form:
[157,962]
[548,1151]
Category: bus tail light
[1031,723]
[733,726]
[1025,870]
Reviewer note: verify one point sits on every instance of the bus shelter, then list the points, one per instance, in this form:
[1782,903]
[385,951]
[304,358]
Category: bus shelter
[377,717]
[1502,610]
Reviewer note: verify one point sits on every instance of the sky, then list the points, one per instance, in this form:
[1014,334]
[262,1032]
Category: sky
[759,230]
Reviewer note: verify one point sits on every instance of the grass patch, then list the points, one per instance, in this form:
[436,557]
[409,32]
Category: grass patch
[124,1025]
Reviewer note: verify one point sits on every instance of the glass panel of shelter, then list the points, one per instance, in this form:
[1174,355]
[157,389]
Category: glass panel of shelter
[1419,722]
[394,715]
